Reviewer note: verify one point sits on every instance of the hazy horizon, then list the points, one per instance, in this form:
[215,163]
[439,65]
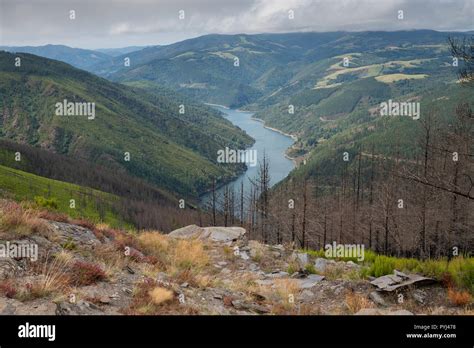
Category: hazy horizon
[263,33]
[118,23]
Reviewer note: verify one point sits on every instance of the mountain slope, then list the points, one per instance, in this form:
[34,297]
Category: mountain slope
[78,57]
[270,66]
[174,151]
[114,52]
[92,204]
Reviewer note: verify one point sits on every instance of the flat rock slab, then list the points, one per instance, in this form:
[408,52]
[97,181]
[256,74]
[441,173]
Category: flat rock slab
[215,234]
[398,280]
[310,281]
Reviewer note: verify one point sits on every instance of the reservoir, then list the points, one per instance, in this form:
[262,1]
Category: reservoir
[272,143]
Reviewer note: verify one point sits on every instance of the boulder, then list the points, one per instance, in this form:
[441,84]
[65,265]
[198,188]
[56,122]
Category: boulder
[216,234]
[244,255]
[320,264]
[301,258]
[307,295]
[419,296]
[79,236]
[377,298]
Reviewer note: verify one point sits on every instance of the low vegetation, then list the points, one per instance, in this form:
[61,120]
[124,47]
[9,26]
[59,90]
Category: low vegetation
[459,271]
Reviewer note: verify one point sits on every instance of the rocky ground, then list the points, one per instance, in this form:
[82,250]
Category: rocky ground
[97,270]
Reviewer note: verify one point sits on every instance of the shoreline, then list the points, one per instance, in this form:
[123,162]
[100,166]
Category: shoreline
[292,136]
[221,106]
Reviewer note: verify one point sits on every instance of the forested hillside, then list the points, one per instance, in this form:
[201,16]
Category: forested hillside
[168,141]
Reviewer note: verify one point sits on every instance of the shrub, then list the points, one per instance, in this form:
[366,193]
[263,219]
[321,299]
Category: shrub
[8,289]
[84,223]
[309,268]
[459,298]
[369,256]
[461,270]
[382,265]
[293,267]
[49,203]
[433,268]
[33,291]
[53,216]
[314,253]
[85,273]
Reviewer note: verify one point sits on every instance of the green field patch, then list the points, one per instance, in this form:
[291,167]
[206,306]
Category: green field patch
[390,78]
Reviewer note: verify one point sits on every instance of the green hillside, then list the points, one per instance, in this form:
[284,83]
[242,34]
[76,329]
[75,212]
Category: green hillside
[57,195]
[272,67]
[174,151]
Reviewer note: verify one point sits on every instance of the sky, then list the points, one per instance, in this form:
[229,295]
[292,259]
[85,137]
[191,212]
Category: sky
[120,23]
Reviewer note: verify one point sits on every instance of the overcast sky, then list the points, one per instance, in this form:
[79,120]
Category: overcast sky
[119,23]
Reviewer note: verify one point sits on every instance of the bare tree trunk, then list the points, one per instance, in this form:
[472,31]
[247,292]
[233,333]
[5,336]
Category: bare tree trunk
[214,202]
[303,226]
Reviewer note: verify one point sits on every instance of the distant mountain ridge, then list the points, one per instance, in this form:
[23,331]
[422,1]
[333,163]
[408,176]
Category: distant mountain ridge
[206,67]
[78,57]
[114,52]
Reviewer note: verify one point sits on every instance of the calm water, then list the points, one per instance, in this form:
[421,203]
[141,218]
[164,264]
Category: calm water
[272,143]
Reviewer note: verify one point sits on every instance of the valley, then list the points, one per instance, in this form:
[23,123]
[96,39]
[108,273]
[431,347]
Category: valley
[269,143]
[361,139]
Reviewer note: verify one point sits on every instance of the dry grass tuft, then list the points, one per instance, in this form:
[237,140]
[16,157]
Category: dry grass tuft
[189,254]
[113,262]
[15,221]
[54,272]
[355,302]
[283,295]
[459,298]
[156,245]
[160,295]
[150,298]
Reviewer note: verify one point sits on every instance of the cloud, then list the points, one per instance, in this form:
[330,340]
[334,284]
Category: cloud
[109,23]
